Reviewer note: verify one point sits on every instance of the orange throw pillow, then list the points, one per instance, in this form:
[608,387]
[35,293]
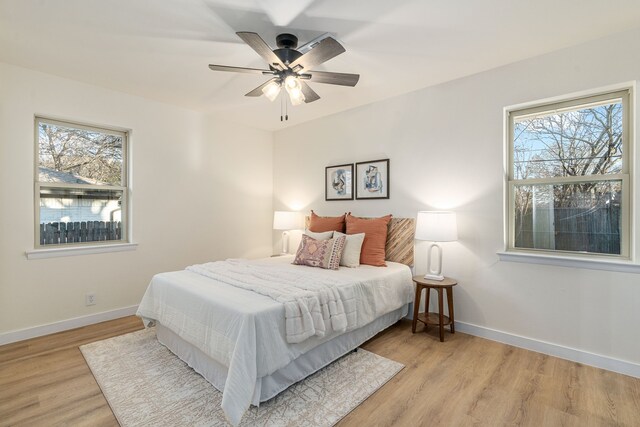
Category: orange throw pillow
[375,238]
[319,224]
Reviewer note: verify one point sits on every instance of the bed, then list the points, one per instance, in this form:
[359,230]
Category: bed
[240,340]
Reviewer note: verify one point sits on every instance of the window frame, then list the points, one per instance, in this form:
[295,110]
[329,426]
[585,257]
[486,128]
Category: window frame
[567,103]
[124,186]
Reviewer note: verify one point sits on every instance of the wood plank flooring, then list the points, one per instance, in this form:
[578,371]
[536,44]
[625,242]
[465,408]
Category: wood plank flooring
[46,382]
[464,381]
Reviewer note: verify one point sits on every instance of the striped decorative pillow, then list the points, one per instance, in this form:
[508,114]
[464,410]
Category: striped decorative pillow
[320,253]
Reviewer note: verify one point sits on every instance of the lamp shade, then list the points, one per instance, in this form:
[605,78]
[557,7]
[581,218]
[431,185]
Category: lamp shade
[284,220]
[272,90]
[436,226]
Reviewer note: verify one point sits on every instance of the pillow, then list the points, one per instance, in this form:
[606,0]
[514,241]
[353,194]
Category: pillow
[352,249]
[320,253]
[375,239]
[319,224]
[325,235]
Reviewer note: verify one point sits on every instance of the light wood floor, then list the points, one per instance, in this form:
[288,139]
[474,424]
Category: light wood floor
[463,381]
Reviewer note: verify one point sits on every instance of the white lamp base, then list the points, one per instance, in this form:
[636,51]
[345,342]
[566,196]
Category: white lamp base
[285,243]
[434,273]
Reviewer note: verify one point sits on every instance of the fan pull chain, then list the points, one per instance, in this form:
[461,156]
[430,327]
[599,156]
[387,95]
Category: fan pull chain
[284,108]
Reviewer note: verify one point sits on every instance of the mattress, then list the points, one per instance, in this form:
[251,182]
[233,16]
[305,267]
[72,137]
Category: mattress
[244,332]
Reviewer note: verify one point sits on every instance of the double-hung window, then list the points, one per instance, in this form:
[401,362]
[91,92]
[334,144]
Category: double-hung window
[569,177]
[80,184]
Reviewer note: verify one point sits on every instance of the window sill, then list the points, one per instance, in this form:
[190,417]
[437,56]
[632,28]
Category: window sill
[565,261]
[79,250]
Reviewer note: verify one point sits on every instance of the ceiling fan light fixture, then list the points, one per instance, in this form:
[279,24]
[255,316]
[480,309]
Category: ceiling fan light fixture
[290,68]
[272,90]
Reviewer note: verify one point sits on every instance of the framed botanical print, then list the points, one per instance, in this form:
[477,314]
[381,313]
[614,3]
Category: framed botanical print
[338,182]
[372,179]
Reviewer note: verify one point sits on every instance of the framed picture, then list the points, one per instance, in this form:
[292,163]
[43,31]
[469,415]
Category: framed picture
[372,179]
[338,182]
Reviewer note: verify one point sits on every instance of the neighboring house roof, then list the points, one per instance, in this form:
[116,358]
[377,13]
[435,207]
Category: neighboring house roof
[52,175]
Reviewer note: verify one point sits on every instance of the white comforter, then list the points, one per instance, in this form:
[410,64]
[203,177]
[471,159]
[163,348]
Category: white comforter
[246,331]
[314,303]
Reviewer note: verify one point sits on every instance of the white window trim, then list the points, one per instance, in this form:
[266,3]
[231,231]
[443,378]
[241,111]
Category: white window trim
[61,251]
[568,259]
[53,251]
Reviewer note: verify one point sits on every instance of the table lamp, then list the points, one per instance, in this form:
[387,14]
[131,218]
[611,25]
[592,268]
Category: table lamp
[285,220]
[436,226]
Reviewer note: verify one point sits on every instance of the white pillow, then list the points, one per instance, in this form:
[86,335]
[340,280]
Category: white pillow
[352,247]
[325,235]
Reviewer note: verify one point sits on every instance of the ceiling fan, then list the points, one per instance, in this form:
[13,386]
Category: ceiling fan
[290,68]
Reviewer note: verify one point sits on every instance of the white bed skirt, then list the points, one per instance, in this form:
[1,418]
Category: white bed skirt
[269,386]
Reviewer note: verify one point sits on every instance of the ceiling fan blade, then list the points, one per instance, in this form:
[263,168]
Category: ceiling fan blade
[239,69]
[342,79]
[324,51]
[258,91]
[262,48]
[309,94]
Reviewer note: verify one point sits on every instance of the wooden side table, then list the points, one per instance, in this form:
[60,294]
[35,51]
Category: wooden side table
[434,318]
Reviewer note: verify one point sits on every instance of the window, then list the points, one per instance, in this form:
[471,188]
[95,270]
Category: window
[80,184]
[569,177]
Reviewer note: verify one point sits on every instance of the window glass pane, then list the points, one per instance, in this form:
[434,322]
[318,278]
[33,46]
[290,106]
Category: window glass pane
[583,217]
[78,156]
[583,141]
[76,215]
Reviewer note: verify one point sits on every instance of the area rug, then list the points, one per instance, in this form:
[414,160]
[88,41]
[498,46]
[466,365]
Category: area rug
[147,385]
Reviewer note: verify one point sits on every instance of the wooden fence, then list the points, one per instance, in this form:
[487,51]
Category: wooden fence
[56,233]
[595,230]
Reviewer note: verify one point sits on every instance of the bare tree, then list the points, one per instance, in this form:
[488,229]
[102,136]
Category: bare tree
[89,154]
[584,142]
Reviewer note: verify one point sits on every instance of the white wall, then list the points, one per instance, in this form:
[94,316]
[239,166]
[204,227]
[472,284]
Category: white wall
[446,149]
[201,190]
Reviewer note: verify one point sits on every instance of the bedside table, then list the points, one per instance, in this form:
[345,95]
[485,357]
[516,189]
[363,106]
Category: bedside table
[434,318]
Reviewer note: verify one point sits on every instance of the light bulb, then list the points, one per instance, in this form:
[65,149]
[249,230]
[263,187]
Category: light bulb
[294,88]
[292,82]
[272,90]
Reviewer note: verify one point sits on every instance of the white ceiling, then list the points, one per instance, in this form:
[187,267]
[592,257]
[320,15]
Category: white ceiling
[160,49]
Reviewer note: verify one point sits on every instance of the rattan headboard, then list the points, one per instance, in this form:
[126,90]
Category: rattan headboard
[399,239]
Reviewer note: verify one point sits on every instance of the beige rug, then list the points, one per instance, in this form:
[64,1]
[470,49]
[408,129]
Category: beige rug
[147,385]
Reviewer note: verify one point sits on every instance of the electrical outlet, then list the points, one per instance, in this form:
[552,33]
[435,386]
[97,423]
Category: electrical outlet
[90,299]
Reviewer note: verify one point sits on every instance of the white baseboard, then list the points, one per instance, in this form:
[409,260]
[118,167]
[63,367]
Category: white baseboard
[575,355]
[65,325]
